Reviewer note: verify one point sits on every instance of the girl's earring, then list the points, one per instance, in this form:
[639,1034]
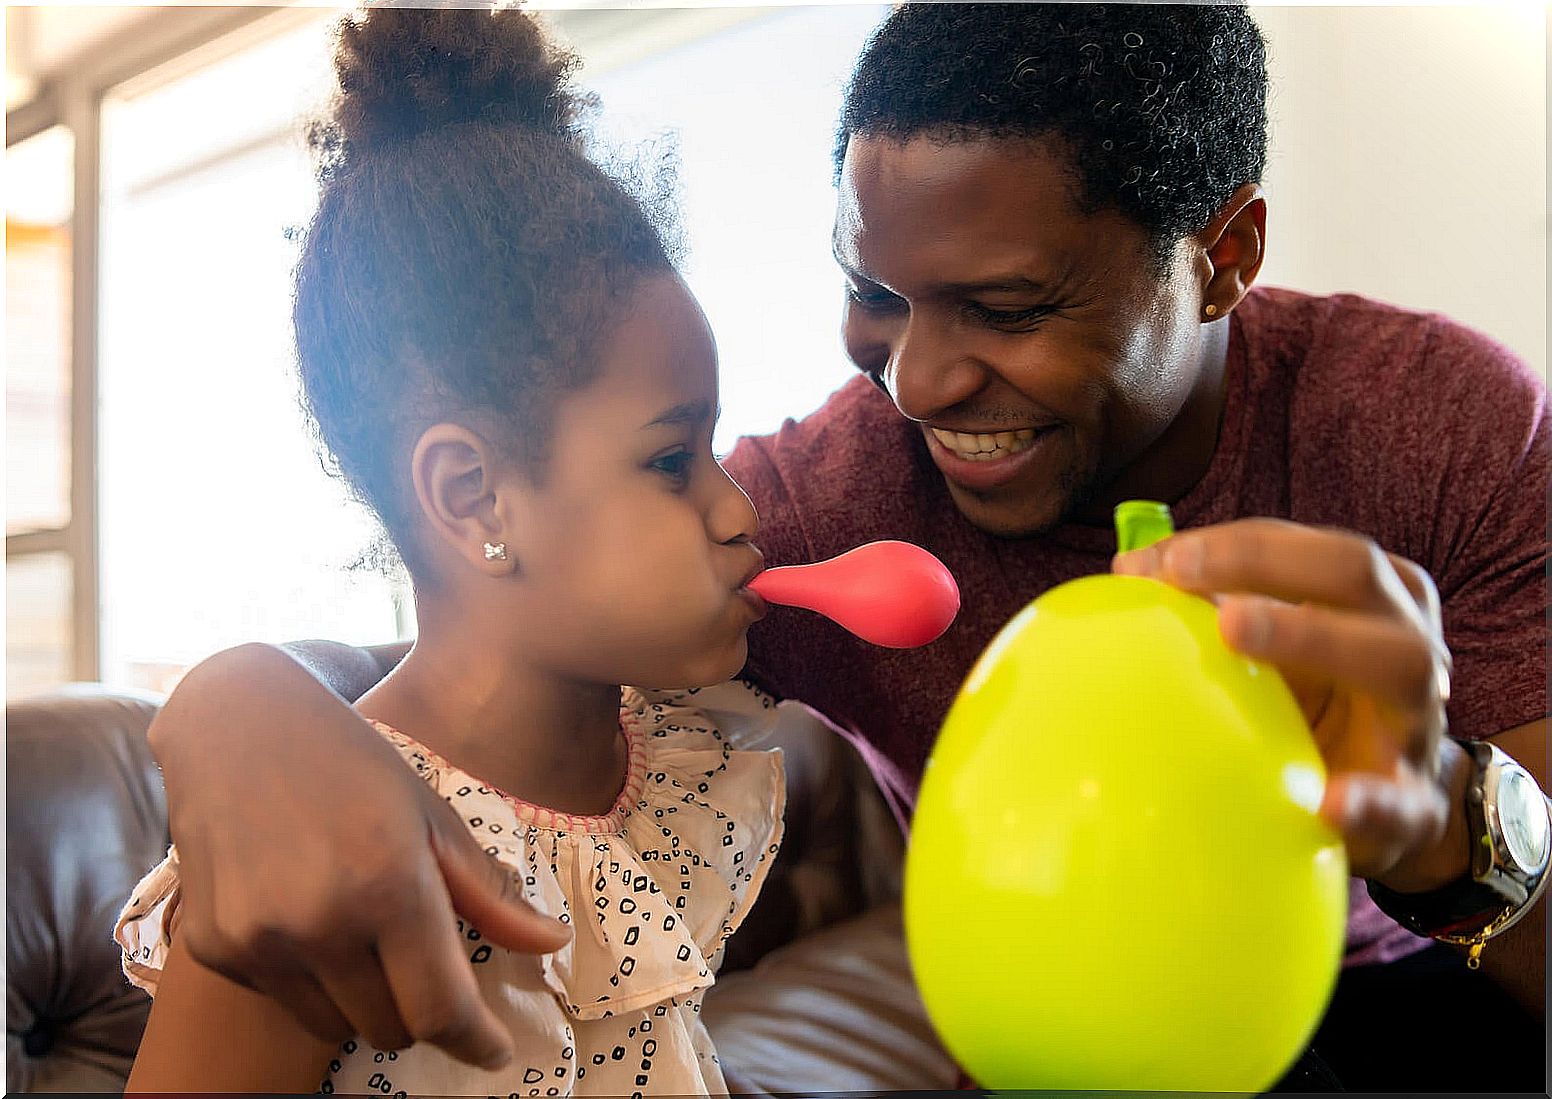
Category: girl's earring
[1209,310]
[495,551]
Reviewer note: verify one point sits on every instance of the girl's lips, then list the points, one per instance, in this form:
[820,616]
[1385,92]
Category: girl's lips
[755,600]
[980,476]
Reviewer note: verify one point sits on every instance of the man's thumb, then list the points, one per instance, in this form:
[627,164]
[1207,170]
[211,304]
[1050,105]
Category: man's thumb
[487,895]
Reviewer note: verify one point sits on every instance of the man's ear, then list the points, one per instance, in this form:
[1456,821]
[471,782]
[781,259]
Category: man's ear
[456,476]
[1232,247]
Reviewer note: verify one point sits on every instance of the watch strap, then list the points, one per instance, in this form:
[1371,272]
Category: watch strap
[1462,908]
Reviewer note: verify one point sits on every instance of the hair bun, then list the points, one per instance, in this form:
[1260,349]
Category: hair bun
[405,71]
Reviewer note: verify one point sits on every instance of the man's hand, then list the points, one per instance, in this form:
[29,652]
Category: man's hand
[1357,634]
[321,871]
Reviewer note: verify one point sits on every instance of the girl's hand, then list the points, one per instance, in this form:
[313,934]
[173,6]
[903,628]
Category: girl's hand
[321,871]
[1358,636]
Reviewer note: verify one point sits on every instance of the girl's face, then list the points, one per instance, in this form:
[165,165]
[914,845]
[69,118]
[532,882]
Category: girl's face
[632,554]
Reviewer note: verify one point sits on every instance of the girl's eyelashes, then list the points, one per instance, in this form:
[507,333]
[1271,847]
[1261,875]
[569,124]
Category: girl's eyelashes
[675,465]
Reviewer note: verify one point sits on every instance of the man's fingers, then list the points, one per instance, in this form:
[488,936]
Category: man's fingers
[487,895]
[1419,584]
[1282,560]
[1382,658]
[429,968]
[1382,819]
[357,986]
[258,962]
[300,994]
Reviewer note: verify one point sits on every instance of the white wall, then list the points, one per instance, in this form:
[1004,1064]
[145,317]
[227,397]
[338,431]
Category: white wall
[1408,160]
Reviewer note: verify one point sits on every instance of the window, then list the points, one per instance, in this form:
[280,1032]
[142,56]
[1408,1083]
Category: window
[39,579]
[756,192]
[218,524]
[37,340]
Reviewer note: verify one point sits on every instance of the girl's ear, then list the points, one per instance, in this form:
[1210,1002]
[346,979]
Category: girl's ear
[455,473]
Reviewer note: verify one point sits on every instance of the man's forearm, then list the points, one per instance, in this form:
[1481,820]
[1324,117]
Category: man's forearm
[1517,961]
[346,670]
[233,697]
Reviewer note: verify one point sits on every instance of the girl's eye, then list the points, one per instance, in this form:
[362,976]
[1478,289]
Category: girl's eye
[675,466]
[1012,320]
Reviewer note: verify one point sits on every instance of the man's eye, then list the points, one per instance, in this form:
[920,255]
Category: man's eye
[676,466]
[1018,320]
[874,301]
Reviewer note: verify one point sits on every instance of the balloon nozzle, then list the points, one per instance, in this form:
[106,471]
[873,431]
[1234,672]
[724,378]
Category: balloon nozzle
[1140,523]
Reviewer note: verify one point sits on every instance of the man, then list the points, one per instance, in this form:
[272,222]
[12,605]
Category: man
[1051,223]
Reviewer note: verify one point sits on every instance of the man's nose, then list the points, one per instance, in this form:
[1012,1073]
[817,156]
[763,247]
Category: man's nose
[927,373]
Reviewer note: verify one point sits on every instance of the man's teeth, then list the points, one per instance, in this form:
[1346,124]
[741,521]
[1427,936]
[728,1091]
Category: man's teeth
[985,448]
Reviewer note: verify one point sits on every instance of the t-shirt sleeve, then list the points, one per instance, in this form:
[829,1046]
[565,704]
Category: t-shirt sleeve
[1489,538]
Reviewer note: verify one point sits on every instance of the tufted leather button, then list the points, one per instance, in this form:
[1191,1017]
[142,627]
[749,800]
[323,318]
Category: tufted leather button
[38,1040]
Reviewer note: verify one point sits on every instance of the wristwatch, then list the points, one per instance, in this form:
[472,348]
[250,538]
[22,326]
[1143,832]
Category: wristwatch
[1510,823]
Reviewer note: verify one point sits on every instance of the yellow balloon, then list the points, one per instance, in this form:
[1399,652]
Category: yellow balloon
[1116,877]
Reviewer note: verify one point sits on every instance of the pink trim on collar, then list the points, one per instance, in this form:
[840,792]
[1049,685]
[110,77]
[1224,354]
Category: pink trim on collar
[541,817]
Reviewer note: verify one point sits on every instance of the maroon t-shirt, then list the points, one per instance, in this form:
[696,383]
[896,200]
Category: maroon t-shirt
[1426,436]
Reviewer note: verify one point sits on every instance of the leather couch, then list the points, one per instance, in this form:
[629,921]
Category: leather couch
[815,993]
[85,817]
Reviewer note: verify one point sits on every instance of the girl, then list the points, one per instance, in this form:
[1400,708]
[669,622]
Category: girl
[499,357]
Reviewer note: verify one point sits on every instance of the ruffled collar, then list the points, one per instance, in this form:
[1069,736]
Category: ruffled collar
[542,817]
[654,888]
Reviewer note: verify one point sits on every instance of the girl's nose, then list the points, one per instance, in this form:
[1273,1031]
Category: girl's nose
[732,517]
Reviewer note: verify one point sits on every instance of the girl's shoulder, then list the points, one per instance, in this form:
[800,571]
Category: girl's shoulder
[736,712]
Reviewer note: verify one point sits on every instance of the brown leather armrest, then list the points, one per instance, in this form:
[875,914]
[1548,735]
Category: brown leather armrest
[85,818]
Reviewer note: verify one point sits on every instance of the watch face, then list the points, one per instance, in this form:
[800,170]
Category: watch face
[1522,814]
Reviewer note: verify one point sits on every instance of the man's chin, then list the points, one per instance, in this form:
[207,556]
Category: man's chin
[1014,515]
[1007,518]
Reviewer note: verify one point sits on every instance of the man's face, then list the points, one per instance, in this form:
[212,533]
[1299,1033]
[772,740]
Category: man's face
[1041,349]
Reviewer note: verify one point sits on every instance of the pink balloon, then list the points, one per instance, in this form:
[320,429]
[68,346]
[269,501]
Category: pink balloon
[892,594]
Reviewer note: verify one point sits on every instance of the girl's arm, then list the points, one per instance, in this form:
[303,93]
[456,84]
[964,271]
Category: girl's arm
[208,1034]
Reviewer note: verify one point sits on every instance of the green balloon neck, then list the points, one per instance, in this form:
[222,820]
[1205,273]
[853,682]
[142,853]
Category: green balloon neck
[1140,523]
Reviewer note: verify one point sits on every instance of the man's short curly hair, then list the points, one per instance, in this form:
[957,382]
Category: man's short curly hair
[1162,108]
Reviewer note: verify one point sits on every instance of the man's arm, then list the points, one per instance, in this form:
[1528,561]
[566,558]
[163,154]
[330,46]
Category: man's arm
[1516,960]
[347,670]
[312,857]
[1358,634]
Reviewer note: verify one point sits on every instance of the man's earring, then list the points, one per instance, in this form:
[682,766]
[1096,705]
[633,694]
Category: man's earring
[1209,310]
[495,551]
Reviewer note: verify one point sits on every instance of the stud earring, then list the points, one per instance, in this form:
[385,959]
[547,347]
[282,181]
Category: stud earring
[495,551]
[1209,310]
